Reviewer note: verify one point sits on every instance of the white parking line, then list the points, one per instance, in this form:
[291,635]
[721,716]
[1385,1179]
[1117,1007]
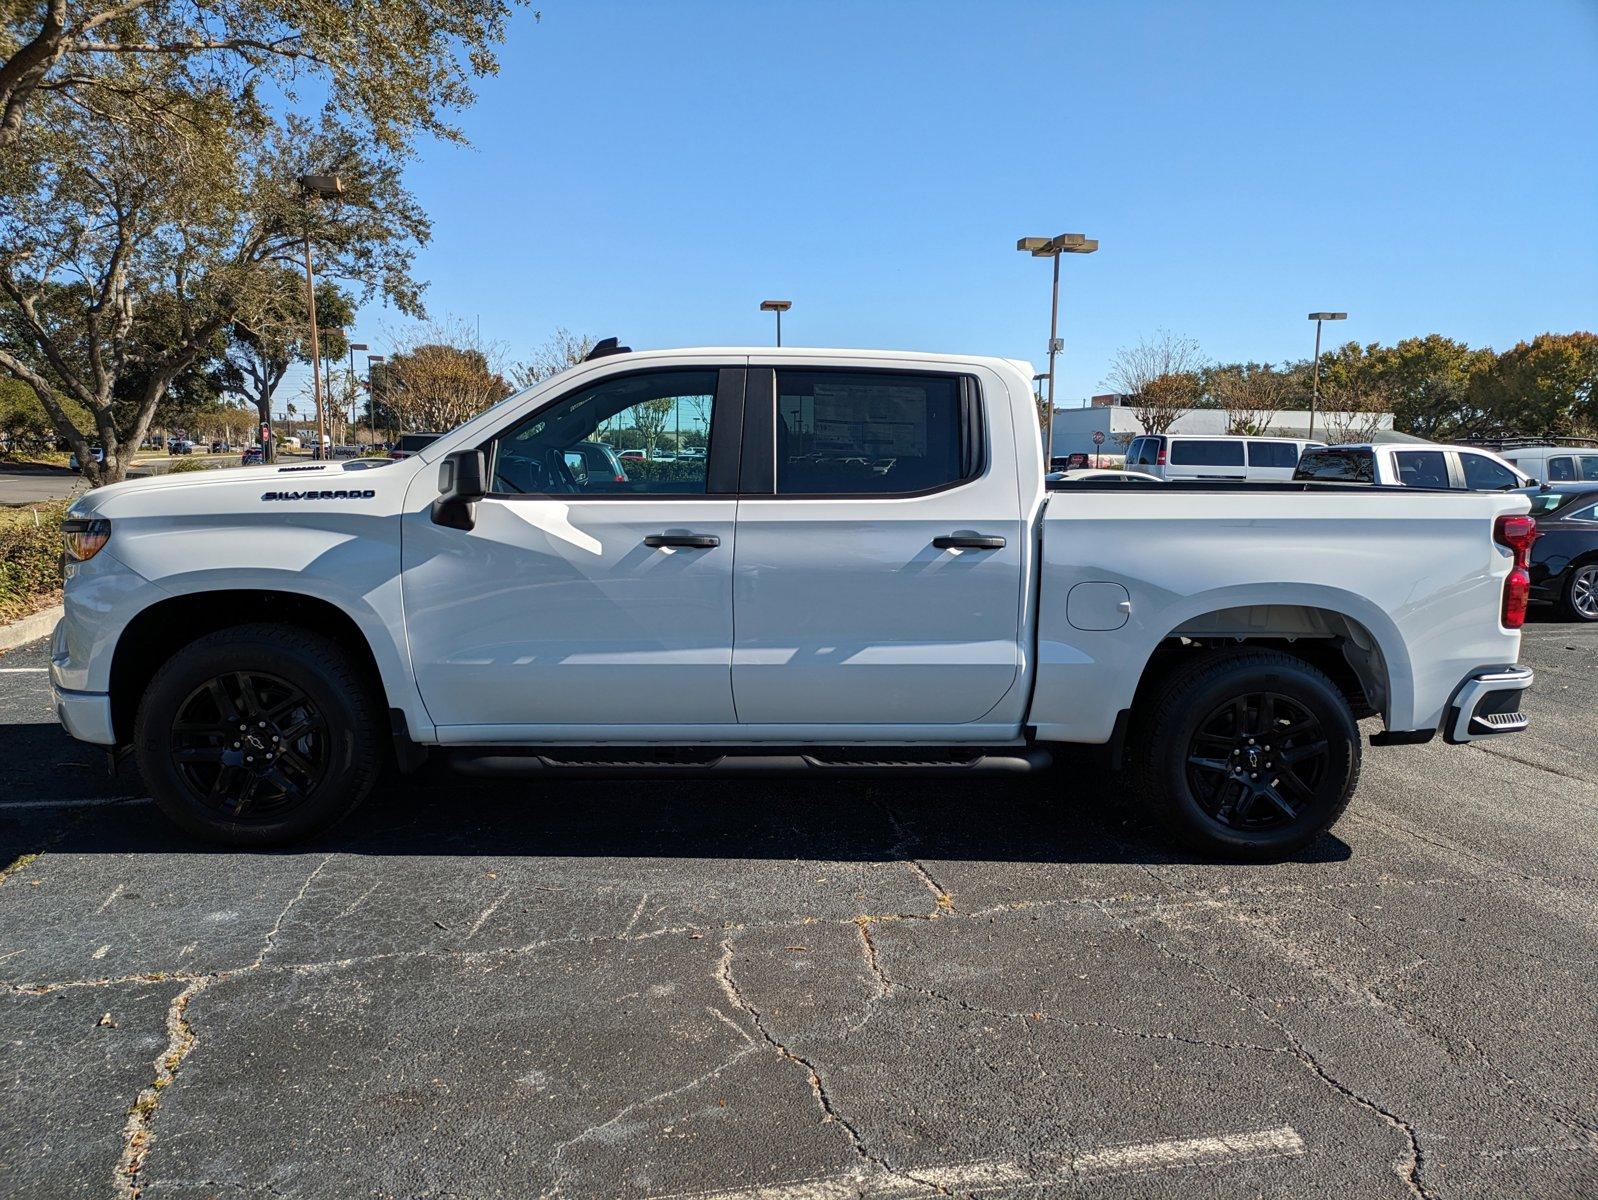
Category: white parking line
[1281,1142]
[23,670]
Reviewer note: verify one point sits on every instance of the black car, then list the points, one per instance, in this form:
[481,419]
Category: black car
[1564,558]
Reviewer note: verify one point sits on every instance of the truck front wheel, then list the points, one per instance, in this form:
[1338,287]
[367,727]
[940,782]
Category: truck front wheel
[258,735]
[1248,754]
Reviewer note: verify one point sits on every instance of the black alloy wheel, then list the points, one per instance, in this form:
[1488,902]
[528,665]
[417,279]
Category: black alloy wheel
[250,745]
[262,734]
[1256,761]
[1245,753]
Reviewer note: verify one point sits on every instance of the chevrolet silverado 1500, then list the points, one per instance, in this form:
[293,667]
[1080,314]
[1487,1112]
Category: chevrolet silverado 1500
[863,572]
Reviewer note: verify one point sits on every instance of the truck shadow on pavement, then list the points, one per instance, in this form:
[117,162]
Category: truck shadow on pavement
[1073,813]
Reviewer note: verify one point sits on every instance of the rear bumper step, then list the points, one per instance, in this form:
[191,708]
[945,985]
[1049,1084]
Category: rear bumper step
[500,762]
[1488,703]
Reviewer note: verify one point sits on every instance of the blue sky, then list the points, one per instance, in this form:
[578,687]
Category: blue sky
[653,170]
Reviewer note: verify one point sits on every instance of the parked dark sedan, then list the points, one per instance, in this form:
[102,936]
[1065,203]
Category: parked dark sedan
[1564,558]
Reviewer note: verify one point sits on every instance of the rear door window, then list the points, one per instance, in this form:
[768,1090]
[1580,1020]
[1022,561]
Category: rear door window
[869,432]
[1561,469]
[1482,474]
[1332,465]
[1422,468]
[1589,468]
[1199,452]
[1273,454]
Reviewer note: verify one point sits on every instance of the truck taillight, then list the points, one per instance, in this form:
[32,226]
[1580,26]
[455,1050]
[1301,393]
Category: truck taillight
[1159,459]
[1516,534]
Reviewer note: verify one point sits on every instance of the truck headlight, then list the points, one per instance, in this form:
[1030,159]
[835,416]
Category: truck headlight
[84,537]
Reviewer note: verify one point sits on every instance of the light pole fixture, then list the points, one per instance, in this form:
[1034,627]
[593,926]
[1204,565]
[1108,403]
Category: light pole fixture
[312,187]
[1065,243]
[779,307]
[1315,374]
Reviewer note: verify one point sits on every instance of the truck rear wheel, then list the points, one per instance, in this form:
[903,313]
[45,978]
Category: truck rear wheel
[258,735]
[1247,754]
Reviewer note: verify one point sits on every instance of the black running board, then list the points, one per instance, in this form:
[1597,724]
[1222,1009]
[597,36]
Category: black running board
[499,762]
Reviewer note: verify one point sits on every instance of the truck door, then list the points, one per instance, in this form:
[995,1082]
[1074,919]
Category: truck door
[880,548]
[586,599]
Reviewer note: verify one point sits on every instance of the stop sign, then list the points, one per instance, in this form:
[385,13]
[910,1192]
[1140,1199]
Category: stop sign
[1098,438]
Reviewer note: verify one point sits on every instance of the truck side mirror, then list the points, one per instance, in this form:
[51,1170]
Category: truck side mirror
[461,485]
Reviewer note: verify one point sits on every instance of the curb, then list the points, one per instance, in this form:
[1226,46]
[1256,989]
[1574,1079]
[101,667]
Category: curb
[29,629]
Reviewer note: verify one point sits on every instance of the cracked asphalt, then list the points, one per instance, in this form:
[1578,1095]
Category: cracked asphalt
[790,991]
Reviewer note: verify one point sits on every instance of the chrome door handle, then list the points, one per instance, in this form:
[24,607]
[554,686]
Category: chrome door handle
[686,541]
[966,541]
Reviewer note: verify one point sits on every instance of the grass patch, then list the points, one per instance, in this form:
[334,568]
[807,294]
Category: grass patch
[30,559]
[21,863]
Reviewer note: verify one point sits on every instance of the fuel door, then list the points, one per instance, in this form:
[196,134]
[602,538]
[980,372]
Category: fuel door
[1098,606]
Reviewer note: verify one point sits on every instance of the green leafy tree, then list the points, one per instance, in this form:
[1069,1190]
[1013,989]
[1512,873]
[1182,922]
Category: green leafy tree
[1430,382]
[141,164]
[1542,388]
[24,425]
[272,333]
[391,72]
[1356,392]
[159,246]
[440,377]
[650,418]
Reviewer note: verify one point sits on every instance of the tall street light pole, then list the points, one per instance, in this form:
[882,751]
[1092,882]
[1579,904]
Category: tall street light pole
[371,390]
[1315,375]
[1066,243]
[327,187]
[779,307]
[355,418]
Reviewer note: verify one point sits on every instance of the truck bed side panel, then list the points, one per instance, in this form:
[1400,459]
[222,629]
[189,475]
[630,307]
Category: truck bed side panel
[1420,573]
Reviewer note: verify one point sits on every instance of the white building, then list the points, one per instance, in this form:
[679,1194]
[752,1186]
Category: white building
[1074,427]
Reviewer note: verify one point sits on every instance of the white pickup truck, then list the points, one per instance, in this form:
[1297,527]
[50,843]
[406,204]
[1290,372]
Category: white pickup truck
[865,573]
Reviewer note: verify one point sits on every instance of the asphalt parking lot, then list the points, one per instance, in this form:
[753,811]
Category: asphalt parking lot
[796,992]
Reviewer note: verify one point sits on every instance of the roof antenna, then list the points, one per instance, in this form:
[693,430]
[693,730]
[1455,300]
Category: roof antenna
[605,347]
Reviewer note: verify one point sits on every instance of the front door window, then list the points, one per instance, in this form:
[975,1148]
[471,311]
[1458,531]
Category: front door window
[636,435]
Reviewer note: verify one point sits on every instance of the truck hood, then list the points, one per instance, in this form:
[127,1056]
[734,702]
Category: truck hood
[353,483]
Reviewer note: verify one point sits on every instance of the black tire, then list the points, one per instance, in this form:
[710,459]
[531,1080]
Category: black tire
[313,739]
[1192,752]
[1580,598]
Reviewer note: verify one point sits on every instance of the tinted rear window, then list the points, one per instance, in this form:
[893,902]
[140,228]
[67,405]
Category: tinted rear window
[1484,475]
[854,432]
[1337,466]
[1197,453]
[1273,454]
[1422,468]
[1567,468]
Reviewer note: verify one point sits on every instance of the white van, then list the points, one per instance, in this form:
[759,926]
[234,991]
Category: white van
[1216,456]
[1556,464]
